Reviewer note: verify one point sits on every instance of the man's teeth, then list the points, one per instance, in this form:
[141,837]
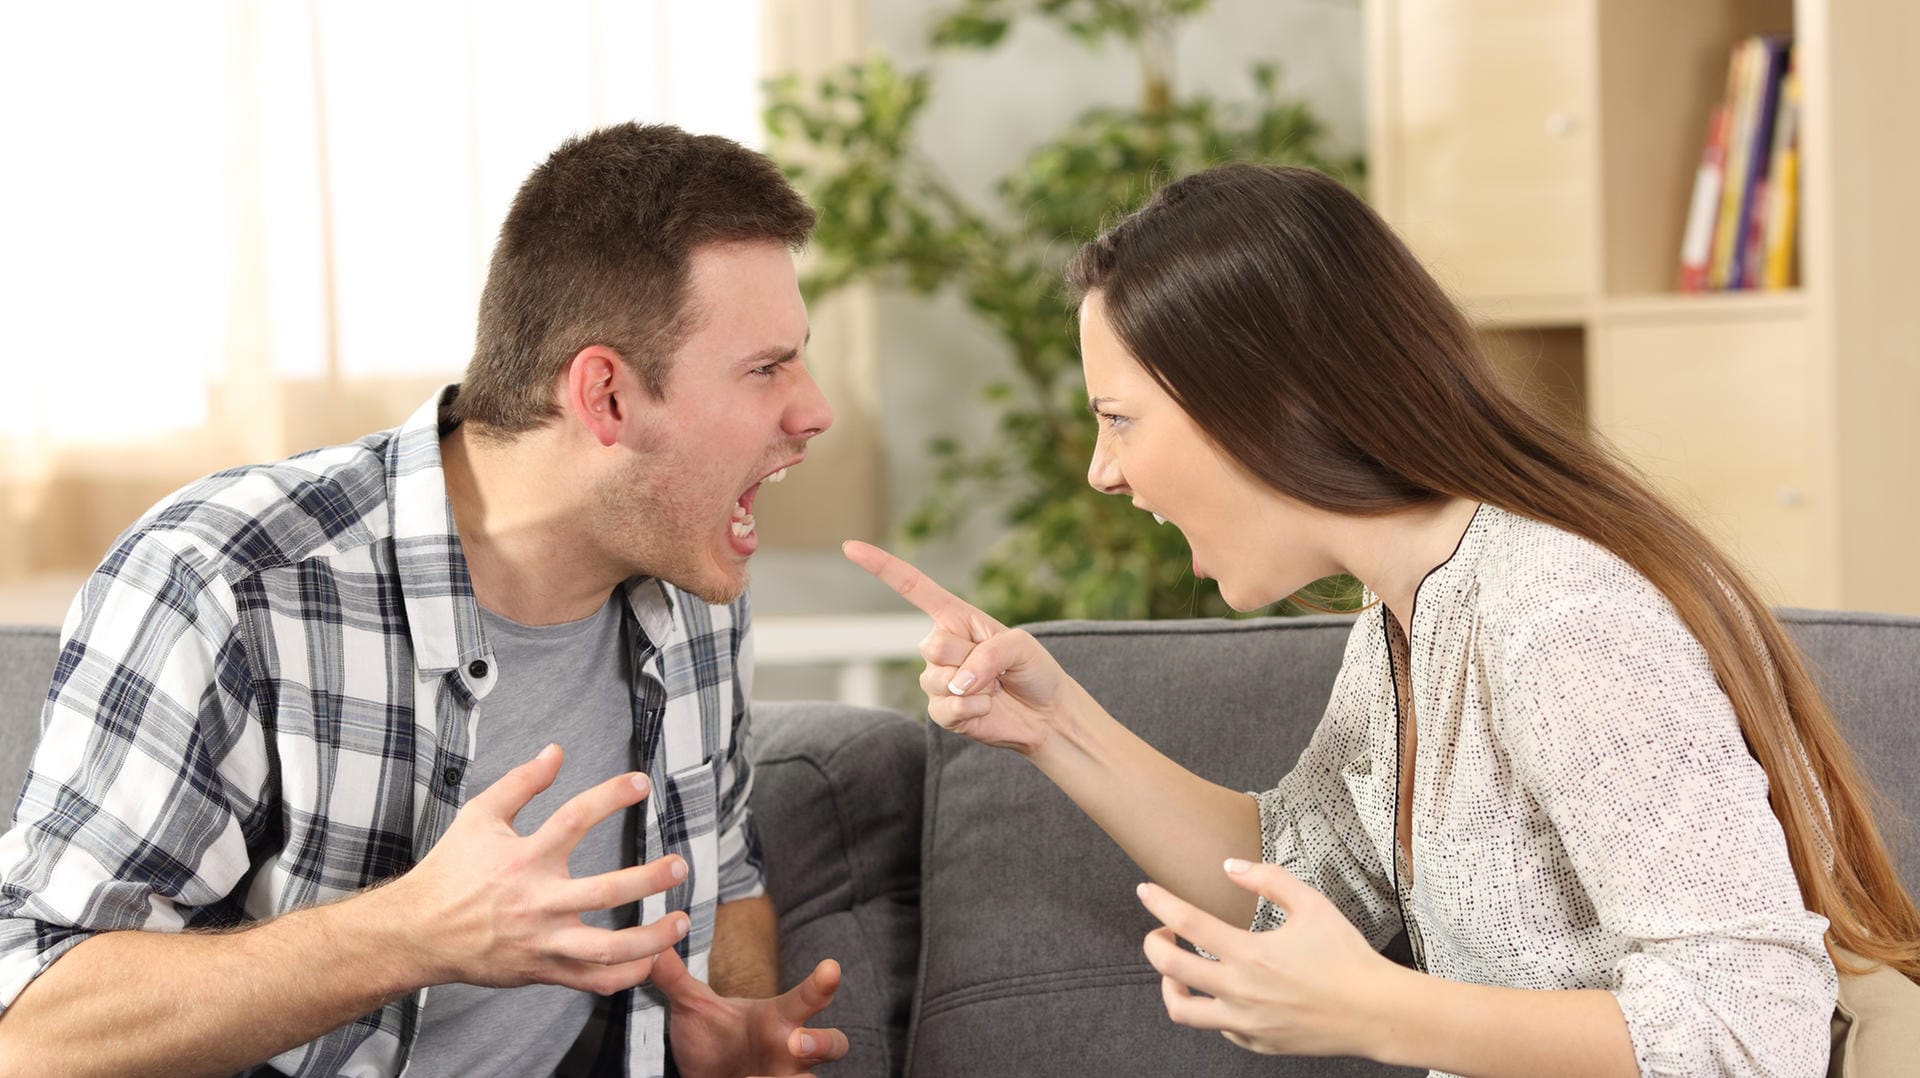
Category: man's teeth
[1158,519]
[775,477]
[742,525]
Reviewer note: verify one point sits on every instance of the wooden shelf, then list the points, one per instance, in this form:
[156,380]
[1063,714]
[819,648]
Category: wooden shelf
[1686,307]
[1528,312]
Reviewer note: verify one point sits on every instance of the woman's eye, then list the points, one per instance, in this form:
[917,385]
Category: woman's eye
[1113,422]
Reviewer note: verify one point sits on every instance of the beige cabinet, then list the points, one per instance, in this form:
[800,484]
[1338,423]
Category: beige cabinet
[1538,156]
[1498,207]
[1714,409]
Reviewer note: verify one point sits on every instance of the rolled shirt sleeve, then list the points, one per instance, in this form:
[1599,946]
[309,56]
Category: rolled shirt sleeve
[129,816]
[1620,731]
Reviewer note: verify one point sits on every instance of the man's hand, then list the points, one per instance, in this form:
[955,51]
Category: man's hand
[496,908]
[717,1037]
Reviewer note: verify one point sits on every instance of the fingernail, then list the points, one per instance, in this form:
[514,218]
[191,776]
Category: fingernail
[806,1045]
[680,927]
[678,869]
[961,684]
[640,782]
[547,753]
[1235,866]
[1141,891]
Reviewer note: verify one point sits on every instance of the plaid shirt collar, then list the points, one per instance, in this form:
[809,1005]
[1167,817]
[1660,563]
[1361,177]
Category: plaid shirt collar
[443,619]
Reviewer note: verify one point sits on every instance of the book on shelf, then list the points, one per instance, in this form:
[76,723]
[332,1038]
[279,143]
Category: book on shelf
[1770,67]
[1777,249]
[1740,95]
[1740,220]
[1696,247]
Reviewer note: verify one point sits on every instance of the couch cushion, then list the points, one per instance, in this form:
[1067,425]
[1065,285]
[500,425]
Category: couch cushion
[27,653]
[1868,669]
[837,802]
[1031,936]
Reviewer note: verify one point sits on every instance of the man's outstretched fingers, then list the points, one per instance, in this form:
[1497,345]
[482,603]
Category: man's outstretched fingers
[613,947]
[622,885]
[811,995]
[511,792]
[811,1046]
[584,810]
[670,975]
[604,980]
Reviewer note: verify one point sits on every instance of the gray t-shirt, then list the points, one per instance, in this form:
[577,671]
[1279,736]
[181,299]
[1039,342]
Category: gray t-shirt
[568,684]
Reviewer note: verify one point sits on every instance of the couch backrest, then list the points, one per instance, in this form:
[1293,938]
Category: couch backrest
[27,653]
[1868,668]
[1030,927]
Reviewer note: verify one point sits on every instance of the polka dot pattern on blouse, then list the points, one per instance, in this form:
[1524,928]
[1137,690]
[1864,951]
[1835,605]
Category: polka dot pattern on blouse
[1585,812]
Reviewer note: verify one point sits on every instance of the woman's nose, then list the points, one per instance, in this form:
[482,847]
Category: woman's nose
[1103,472]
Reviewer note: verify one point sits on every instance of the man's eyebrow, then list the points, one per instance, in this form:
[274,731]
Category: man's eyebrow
[1094,403]
[777,353]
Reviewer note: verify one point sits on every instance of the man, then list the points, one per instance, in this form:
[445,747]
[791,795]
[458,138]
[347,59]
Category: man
[303,752]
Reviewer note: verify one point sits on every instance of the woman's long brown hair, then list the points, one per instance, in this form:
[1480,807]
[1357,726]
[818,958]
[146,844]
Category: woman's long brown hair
[1305,339]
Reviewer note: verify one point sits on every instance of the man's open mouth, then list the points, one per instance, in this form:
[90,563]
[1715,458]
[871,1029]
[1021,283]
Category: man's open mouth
[741,526]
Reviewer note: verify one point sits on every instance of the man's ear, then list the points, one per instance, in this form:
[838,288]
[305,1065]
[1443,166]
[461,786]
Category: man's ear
[598,391]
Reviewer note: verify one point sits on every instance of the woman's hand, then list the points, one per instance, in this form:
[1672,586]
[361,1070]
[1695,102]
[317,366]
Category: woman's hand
[1308,987]
[993,684]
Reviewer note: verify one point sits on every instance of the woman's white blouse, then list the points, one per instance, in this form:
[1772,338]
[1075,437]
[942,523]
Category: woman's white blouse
[1585,810]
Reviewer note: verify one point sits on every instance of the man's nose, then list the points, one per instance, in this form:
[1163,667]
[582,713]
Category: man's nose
[809,414]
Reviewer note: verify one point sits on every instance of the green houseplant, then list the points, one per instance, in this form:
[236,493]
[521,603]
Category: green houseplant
[888,216]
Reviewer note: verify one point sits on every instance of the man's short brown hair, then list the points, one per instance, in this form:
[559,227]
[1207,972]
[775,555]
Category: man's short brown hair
[595,251]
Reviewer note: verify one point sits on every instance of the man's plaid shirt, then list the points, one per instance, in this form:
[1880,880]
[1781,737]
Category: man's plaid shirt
[266,697]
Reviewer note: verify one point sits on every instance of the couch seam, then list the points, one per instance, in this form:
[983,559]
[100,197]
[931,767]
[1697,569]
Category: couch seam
[1014,987]
[929,810]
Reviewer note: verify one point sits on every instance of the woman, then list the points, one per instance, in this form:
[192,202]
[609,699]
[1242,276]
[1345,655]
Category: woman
[1569,751]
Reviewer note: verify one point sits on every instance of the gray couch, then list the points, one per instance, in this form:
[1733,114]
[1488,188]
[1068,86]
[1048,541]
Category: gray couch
[985,927]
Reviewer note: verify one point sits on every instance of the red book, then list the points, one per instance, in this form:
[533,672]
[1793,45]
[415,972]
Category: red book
[1696,246]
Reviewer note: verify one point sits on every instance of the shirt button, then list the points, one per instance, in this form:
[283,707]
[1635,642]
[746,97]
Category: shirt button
[452,775]
[478,668]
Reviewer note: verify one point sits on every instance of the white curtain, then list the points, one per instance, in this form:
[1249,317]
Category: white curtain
[229,228]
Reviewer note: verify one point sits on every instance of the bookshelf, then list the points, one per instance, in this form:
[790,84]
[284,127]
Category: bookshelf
[1539,156]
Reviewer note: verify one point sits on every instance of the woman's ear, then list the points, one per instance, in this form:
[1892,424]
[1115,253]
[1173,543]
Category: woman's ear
[597,392]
